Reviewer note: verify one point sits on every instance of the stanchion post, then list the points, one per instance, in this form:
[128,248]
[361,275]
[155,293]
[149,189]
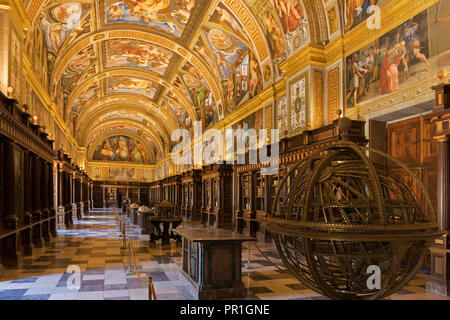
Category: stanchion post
[248,265]
[129,272]
[124,230]
[150,291]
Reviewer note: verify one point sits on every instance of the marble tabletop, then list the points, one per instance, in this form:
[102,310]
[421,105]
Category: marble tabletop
[212,234]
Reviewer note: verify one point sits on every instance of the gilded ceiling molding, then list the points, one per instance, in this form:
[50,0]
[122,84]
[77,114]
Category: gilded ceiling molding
[132,71]
[98,104]
[93,118]
[65,56]
[312,23]
[320,20]
[103,130]
[19,16]
[112,133]
[333,93]
[139,103]
[251,25]
[33,8]
[318,105]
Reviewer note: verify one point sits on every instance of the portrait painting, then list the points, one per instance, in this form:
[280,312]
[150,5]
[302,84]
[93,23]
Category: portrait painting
[124,52]
[282,116]
[168,15]
[298,104]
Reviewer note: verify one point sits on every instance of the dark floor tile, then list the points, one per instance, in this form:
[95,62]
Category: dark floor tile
[159,276]
[25,280]
[256,276]
[296,286]
[134,283]
[14,294]
[260,290]
[261,262]
[35,297]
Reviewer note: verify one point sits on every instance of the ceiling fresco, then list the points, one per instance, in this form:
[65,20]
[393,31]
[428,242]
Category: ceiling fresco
[179,60]
[122,52]
[169,15]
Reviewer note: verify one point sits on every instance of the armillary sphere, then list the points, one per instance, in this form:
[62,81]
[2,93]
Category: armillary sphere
[344,215]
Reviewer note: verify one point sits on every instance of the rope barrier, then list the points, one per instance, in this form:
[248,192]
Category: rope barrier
[131,260]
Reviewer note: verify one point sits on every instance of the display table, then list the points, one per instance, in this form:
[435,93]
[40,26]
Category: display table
[212,263]
[169,224]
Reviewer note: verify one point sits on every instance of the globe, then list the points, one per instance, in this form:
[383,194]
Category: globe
[345,219]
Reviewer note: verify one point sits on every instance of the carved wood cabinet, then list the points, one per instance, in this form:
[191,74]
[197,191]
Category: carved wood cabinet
[27,207]
[191,195]
[217,196]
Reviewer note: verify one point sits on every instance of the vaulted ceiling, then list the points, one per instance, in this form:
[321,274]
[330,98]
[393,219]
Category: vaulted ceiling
[142,68]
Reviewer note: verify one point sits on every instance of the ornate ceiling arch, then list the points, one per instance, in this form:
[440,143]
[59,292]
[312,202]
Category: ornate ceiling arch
[124,113]
[171,61]
[131,127]
[129,100]
[153,157]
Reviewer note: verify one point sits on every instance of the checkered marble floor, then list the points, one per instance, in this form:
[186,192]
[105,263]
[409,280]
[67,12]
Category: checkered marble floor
[94,245]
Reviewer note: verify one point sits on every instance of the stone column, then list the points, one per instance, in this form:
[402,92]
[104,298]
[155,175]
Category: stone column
[439,280]
[36,200]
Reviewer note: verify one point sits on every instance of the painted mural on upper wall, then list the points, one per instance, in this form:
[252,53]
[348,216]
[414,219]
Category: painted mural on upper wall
[197,92]
[272,28]
[62,24]
[412,52]
[294,22]
[357,11]
[120,148]
[86,98]
[169,15]
[181,114]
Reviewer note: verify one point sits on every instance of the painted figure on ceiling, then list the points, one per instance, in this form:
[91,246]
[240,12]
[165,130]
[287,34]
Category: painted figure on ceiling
[275,35]
[290,14]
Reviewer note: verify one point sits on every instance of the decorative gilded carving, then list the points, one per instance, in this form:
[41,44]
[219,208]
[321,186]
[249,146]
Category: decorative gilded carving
[333,94]
[318,98]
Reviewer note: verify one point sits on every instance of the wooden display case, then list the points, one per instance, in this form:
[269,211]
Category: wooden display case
[191,195]
[217,195]
[171,187]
